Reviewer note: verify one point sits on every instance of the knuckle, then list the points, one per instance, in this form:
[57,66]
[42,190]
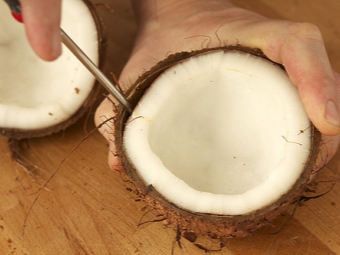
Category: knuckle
[305,30]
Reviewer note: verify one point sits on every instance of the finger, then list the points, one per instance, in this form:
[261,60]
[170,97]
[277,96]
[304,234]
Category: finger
[104,118]
[328,148]
[42,22]
[301,50]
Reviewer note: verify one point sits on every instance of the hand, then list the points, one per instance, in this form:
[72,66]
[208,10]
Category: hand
[42,22]
[173,26]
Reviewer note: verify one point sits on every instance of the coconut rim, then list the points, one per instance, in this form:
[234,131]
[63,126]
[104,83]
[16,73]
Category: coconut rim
[136,92]
[19,133]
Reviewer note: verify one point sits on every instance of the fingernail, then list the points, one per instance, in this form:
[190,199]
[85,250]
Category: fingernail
[332,114]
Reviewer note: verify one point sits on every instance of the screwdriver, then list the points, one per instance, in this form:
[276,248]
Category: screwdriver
[15,7]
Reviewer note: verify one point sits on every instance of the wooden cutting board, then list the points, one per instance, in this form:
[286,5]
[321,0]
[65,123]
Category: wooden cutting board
[89,209]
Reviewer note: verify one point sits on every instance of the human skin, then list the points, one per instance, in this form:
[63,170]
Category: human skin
[42,22]
[172,26]
[183,25]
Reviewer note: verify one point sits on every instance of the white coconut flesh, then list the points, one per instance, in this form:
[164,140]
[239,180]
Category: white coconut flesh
[220,133]
[35,94]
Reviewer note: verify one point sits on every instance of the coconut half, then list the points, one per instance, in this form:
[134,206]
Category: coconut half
[219,141]
[38,97]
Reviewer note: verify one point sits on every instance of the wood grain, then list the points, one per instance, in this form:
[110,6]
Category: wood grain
[88,208]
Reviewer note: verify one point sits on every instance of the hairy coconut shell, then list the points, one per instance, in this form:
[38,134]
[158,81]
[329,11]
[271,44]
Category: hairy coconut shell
[215,226]
[92,97]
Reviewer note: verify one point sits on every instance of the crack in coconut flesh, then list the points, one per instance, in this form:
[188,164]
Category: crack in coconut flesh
[220,142]
[36,95]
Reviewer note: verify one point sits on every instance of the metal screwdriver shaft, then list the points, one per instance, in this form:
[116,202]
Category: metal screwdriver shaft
[72,46]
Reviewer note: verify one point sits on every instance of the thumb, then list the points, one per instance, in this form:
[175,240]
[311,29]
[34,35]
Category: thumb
[305,58]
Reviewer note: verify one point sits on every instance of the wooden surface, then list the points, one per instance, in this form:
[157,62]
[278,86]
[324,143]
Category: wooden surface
[88,209]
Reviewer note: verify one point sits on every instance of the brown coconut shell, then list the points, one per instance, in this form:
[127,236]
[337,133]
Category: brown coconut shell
[219,227]
[93,96]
